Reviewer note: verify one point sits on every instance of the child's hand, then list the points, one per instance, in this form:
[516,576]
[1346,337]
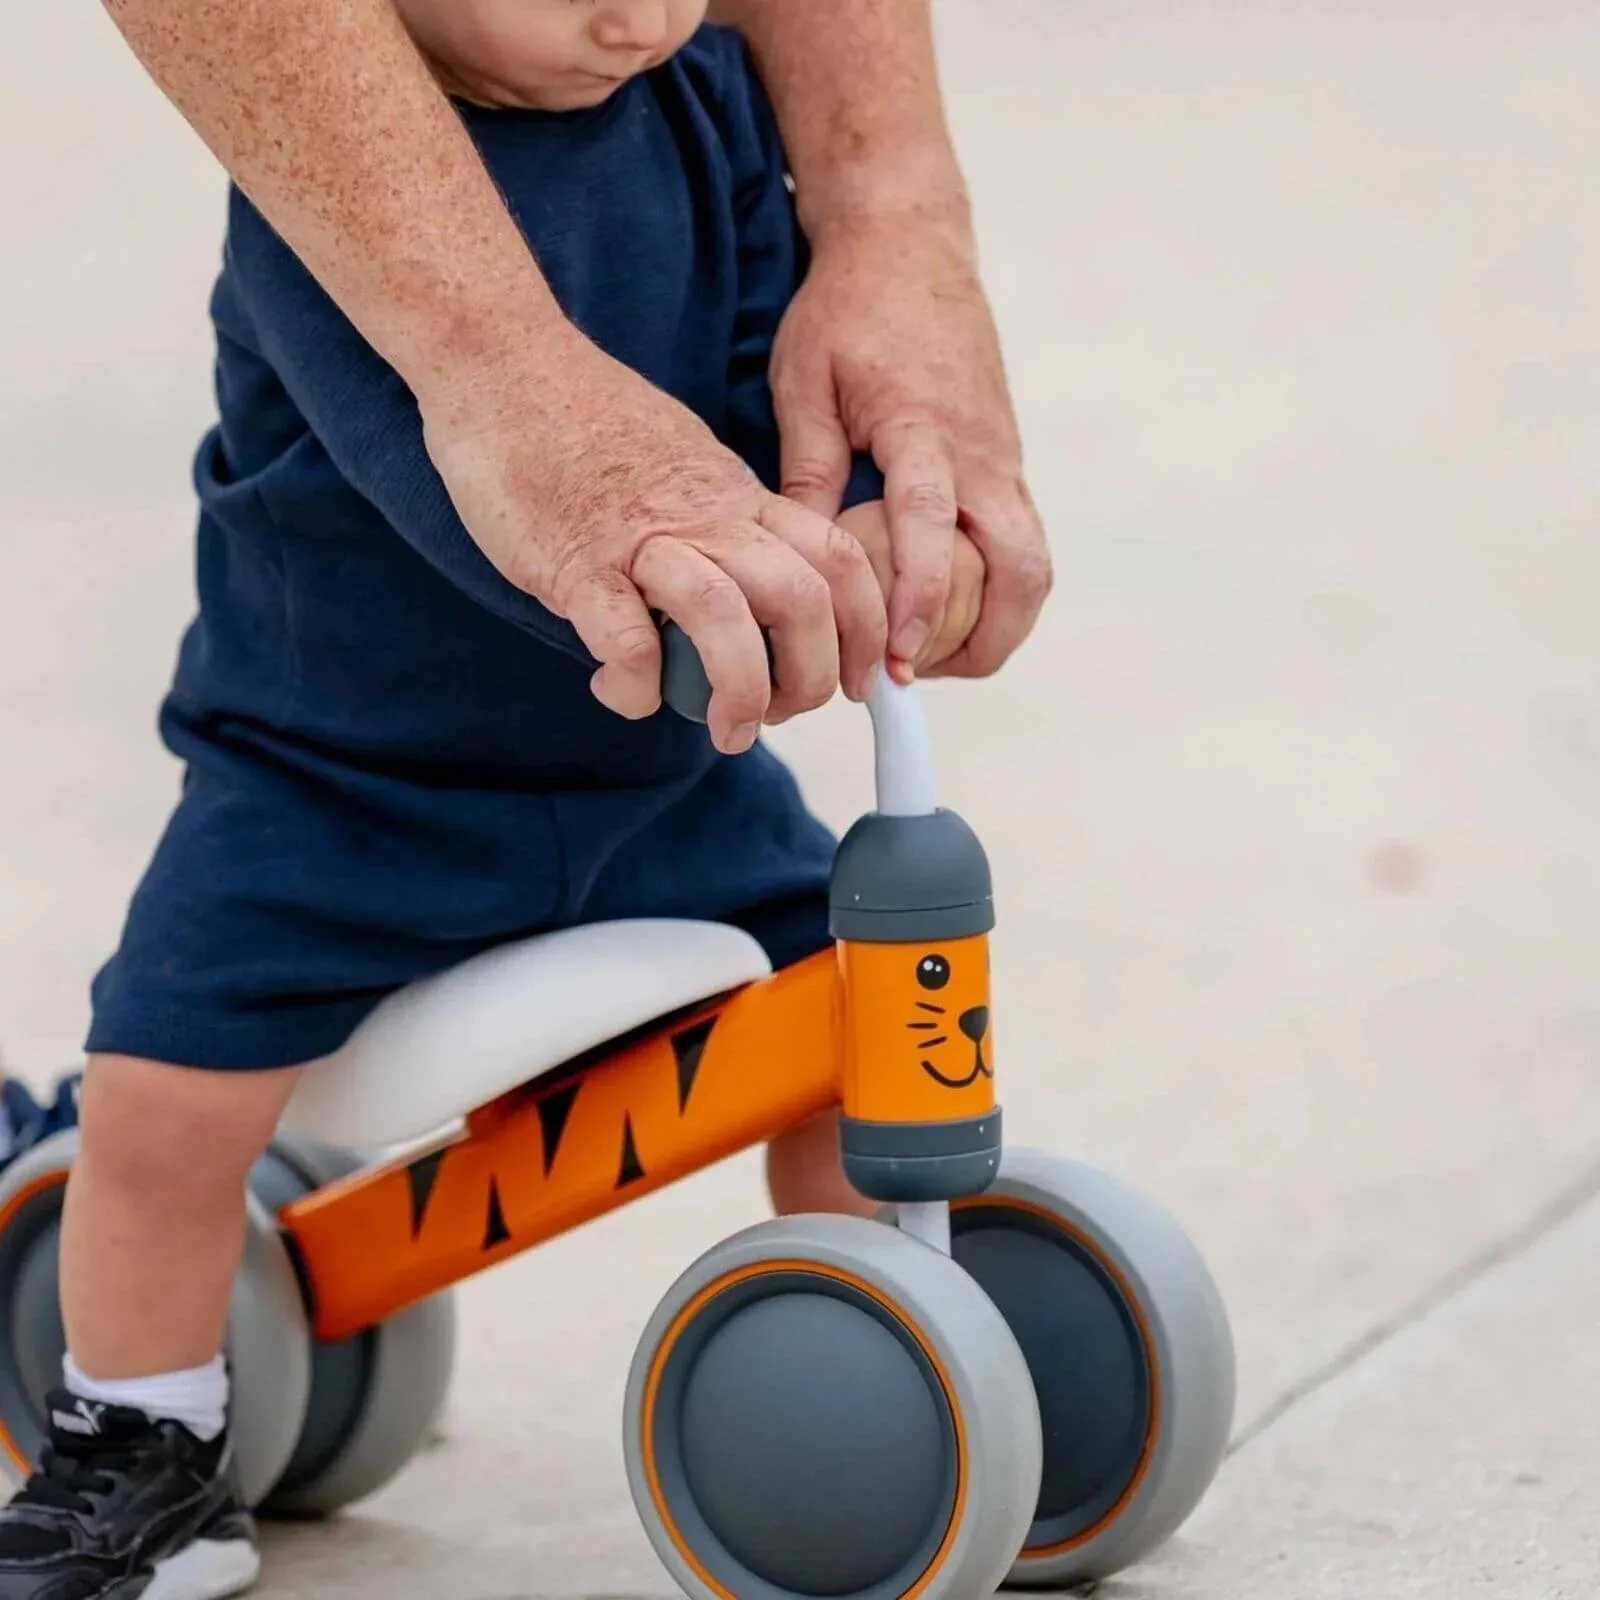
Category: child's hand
[869,525]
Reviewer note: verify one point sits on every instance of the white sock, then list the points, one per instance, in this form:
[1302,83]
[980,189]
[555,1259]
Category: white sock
[197,1398]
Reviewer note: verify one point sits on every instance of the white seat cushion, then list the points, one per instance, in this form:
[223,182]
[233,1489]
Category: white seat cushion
[442,1047]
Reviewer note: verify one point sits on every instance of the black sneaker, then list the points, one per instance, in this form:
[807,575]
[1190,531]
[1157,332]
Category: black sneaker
[123,1507]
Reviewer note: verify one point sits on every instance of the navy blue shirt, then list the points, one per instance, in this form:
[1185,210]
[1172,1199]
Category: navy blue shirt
[384,738]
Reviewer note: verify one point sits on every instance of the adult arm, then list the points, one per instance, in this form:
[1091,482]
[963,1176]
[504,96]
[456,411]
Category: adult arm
[586,487]
[856,87]
[327,118]
[890,346]
[773,257]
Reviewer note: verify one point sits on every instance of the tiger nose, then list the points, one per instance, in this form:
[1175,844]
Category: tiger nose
[974,1023]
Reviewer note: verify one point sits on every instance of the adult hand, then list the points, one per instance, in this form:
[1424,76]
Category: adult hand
[605,499]
[890,347]
[868,524]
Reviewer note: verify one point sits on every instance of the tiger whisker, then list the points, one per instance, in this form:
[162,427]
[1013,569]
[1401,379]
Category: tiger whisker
[928,1044]
[928,1005]
[924,1026]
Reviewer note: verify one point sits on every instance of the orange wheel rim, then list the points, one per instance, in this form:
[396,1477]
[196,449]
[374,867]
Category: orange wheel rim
[763,1269]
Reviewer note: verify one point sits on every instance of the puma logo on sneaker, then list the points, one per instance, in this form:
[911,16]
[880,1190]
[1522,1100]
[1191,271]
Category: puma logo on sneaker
[83,1419]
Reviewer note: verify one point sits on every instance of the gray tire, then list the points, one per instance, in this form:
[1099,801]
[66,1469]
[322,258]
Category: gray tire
[374,1397]
[268,1342]
[822,1406]
[1127,1340]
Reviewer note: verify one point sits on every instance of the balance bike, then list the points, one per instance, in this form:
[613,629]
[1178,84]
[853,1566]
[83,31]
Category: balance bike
[1022,1373]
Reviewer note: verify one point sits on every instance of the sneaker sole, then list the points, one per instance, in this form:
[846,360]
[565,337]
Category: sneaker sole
[208,1569]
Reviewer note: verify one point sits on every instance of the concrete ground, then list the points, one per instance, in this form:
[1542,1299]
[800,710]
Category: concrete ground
[1294,801]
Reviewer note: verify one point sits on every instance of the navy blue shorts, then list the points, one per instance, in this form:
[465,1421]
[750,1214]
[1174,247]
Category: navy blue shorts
[293,891]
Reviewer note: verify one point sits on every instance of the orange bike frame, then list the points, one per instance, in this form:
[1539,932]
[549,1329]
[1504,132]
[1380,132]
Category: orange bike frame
[571,1146]
[641,1113]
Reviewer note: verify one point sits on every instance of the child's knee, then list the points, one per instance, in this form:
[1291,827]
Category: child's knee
[176,1126]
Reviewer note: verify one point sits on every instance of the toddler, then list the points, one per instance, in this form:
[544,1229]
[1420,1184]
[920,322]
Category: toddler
[393,760]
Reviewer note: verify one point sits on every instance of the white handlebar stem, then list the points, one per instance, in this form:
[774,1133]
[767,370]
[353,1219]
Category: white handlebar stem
[903,752]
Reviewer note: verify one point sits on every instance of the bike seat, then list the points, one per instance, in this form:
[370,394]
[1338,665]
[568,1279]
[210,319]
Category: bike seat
[446,1045]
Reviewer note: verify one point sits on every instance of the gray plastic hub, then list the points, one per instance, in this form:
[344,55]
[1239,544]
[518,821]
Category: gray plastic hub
[31,1337]
[38,1333]
[901,880]
[795,1305]
[1083,1350]
[1112,1306]
[803,1436]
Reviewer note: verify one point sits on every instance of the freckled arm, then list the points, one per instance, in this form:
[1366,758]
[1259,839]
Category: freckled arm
[856,89]
[326,116]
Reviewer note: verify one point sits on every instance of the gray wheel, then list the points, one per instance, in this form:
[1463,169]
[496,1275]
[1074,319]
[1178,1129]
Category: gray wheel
[374,1397]
[268,1343]
[824,1407]
[1127,1340]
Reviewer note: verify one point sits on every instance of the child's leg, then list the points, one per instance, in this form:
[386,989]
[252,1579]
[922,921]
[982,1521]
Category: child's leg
[136,1487]
[805,1173]
[154,1220]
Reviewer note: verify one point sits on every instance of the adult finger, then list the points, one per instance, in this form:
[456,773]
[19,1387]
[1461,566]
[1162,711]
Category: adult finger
[709,606]
[791,601]
[814,449]
[856,610]
[920,499]
[1006,528]
[614,623]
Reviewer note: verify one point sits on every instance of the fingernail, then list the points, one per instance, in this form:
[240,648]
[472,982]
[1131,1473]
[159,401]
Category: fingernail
[743,737]
[861,689]
[910,640]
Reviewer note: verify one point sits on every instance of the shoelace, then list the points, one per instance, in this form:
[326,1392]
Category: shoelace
[71,1470]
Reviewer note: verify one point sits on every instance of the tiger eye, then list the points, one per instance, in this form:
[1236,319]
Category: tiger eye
[933,972]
